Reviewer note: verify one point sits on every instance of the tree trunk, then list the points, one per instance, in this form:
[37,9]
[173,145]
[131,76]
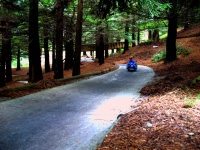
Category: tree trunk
[106,41]
[149,35]
[78,42]
[2,65]
[35,70]
[133,33]
[97,39]
[58,72]
[172,33]
[97,45]
[138,36]
[133,39]
[7,50]
[101,50]
[106,46]
[84,53]
[155,36]
[126,44]
[53,53]
[18,59]
[69,49]
[46,54]
[8,56]
[46,49]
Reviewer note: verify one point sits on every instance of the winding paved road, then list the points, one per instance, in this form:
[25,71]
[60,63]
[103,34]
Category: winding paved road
[76,116]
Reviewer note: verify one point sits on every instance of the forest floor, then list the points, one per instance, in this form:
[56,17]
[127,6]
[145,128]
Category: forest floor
[169,113]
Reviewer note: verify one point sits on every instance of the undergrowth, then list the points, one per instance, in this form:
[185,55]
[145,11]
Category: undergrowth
[161,55]
[190,102]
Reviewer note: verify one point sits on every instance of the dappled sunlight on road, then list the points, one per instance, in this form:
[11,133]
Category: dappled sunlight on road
[109,110]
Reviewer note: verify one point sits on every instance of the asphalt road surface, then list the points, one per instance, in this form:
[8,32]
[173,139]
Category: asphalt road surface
[76,116]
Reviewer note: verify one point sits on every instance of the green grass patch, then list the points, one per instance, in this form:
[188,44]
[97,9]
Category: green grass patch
[191,102]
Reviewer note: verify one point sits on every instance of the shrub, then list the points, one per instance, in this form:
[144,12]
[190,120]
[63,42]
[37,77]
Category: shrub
[159,56]
[190,102]
[120,51]
[195,80]
[180,50]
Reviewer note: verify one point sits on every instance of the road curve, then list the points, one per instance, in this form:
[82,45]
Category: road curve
[71,117]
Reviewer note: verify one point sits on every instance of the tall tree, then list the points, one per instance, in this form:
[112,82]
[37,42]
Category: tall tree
[155,36]
[138,35]
[7,44]
[58,71]
[189,12]
[97,48]
[172,32]
[2,65]
[78,41]
[105,37]
[101,48]
[53,52]
[18,58]
[46,49]
[35,69]
[8,13]
[69,41]
[133,32]
[106,45]
[47,18]
[5,57]
[69,49]
[126,43]
[174,13]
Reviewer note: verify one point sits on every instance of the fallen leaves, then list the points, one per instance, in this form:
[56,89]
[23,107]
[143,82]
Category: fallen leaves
[161,122]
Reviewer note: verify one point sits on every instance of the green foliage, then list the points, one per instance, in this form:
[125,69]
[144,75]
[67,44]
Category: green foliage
[154,6]
[152,24]
[195,80]
[91,19]
[24,62]
[163,36]
[159,56]
[149,41]
[46,1]
[120,51]
[180,50]
[198,96]
[190,102]
[112,54]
